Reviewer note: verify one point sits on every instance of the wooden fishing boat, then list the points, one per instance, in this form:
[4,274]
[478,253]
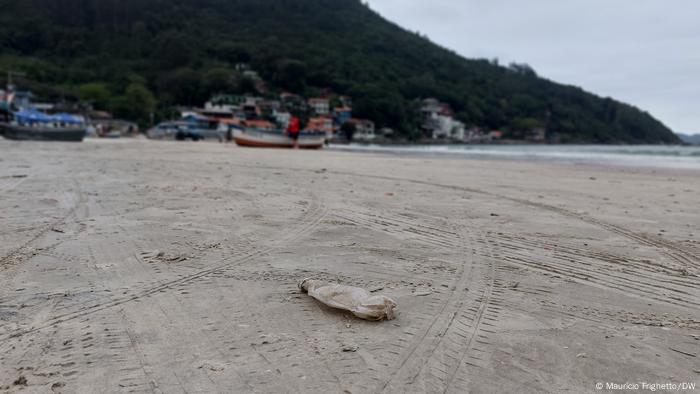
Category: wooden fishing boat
[41,133]
[275,138]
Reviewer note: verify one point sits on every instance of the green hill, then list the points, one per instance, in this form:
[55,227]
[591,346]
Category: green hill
[184,50]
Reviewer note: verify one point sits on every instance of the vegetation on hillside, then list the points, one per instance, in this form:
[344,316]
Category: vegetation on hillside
[132,56]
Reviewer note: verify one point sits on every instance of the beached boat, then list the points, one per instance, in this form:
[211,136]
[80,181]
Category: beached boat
[275,138]
[41,133]
[30,124]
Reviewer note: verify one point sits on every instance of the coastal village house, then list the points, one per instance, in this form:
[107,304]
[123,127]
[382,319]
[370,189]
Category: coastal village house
[439,123]
[268,106]
[386,132]
[219,110]
[538,134]
[494,135]
[345,101]
[282,118]
[448,128]
[293,103]
[321,123]
[342,114]
[364,129]
[320,106]
[229,106]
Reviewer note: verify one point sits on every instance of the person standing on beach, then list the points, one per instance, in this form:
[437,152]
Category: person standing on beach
[293,130]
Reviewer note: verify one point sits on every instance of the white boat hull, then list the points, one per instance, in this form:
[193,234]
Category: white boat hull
[277,139]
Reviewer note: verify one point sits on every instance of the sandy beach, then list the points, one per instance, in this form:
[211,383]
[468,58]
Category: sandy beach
[163,267]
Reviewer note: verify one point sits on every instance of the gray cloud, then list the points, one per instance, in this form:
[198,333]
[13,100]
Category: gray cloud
[645,52]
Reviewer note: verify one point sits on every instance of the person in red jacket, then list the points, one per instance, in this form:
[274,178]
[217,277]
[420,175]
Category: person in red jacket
[293,129]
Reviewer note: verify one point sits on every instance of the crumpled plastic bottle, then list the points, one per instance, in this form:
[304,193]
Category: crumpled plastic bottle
[354,299]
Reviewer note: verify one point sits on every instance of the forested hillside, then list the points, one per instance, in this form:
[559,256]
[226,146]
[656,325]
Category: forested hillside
[116,53]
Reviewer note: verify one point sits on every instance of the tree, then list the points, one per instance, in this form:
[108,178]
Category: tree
[95,93]
[291,75]
[246,85]
[140,38]
[217,80]
[30,35]
[181,86]
[173,49]
[231,53]
[137,103]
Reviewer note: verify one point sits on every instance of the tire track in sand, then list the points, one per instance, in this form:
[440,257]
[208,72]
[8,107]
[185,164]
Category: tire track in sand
[21,253]
[311,220]
[669,249]
[599,270]
[16,180]
[433,355]
[455,346]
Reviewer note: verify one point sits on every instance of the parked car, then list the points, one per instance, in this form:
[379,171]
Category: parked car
[186,130]
[188,134]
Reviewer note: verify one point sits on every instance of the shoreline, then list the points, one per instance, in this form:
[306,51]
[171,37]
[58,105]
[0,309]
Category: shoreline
[560,154]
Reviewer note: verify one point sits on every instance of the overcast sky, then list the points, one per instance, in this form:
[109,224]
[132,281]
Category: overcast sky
[644,52]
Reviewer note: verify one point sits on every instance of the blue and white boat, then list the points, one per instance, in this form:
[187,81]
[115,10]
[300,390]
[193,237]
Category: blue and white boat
[30,124]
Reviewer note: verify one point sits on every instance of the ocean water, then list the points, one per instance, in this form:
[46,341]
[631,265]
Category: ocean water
[652,156]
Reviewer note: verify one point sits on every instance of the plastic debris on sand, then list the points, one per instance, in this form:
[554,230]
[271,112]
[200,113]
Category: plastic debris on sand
[359,301]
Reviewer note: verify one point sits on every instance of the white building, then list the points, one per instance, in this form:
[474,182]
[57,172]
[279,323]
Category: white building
[439,123]
[446,127]
[364,130]
[220,109]
[432,107]
[282,117]
[458,131]
[321,106]
[386,132]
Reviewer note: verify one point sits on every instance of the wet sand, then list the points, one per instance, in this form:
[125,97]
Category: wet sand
[163,267]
